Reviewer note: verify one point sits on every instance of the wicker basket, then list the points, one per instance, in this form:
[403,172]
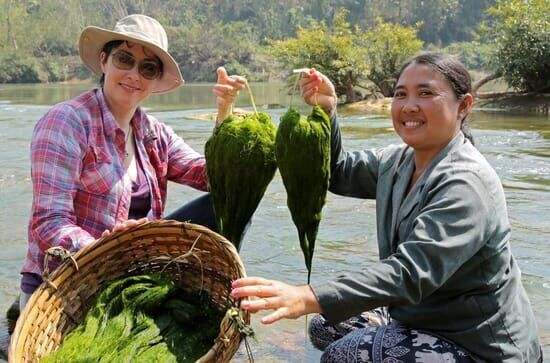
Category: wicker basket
[52,313]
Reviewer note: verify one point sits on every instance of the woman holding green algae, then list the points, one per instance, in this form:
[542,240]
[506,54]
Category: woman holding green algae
[100,162]
[446,287]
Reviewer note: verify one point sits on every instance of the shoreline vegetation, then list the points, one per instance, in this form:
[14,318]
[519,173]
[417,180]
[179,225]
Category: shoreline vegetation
[504,43]
[521,102]
[525,102]
[495,96]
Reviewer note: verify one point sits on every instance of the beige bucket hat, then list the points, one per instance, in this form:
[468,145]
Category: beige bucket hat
[135,28]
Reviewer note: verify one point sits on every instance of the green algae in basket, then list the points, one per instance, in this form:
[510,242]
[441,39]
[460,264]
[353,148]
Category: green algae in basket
[302,147]
[240,163]
[143,318]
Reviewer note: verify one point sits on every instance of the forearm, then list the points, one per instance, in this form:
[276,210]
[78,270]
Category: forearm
[57,151]
[185,165]
[48,230]
[447,233]
[352,174]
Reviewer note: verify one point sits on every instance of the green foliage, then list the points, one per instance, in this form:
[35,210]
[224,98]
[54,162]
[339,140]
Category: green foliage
[474,55]
[387,47]
[460,25]
[55,70]
[240,163]
[303,157]
[58,47]
[522,41]
[204,35]
[334,51]
[200,50]
[18,68]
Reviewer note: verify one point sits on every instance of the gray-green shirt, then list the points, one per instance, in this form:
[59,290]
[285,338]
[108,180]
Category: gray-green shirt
[445,260]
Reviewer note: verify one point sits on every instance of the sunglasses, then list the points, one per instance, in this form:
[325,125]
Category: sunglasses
[148,68]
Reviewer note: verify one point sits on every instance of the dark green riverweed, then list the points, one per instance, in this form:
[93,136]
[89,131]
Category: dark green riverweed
[303,155]
[143,318]
[240,162]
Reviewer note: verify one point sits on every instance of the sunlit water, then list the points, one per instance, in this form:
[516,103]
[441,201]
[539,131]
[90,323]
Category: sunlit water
[518,147]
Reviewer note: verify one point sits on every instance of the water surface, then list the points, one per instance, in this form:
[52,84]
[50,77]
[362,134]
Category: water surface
[517,146]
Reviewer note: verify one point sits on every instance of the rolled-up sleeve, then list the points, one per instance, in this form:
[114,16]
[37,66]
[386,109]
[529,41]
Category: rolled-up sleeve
[56,162]
[185,165]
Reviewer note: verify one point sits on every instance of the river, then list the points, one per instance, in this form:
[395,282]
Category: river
[516,145]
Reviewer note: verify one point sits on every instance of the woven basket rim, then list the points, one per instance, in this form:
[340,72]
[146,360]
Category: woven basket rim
[89,254]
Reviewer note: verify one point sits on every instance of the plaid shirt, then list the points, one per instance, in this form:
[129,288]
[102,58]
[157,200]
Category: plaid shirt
[80,187]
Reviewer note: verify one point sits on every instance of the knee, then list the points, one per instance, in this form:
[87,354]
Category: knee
[319,332]
[332,354]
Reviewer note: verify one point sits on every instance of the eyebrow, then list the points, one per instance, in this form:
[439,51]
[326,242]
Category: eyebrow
[420,85]
[153,58]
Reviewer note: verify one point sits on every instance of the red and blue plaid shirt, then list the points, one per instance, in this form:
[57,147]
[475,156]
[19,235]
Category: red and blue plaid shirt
[80,187]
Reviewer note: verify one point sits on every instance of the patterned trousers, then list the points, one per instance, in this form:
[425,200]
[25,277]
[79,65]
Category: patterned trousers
[375,338]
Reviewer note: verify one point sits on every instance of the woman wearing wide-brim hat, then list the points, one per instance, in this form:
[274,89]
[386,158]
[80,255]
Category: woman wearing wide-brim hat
[99,162]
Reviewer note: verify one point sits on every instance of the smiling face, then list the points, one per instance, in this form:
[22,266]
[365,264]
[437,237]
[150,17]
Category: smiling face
[126,89]
[425,111]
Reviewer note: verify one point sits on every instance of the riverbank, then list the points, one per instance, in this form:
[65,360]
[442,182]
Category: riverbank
[521,102]
[538,103]
[508,101]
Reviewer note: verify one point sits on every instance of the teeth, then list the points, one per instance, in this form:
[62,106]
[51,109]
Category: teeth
[412,123]
[129,87]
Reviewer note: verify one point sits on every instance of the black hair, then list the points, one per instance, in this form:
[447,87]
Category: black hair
[456,75]
[107,49]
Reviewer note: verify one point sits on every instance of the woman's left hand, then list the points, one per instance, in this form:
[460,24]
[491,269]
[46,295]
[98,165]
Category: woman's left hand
[124,226]
[226,90]
[288,301]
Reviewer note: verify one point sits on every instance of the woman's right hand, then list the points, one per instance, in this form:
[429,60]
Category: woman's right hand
[226,90]
[287,301]
[317,89]
[122,226]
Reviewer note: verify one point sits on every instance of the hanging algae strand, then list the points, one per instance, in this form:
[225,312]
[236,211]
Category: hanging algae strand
[302,148]
[240,163]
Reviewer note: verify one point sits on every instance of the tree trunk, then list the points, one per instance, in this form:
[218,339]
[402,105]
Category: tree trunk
[484,80]
[498,95]
[386,87]
[349,90]
[10,36]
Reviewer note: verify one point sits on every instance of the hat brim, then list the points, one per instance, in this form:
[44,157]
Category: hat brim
[91,42]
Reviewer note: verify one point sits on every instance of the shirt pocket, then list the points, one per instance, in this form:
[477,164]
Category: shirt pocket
[98,174]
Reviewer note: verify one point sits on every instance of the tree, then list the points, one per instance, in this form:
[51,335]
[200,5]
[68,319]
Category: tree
[433,15]
[474,55]
[201,48]
[522,42]
[461,25]
[335,51]
[387,47]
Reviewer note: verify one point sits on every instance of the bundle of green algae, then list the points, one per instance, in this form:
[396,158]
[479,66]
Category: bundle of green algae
[240,163]
[143,318]
[302,148]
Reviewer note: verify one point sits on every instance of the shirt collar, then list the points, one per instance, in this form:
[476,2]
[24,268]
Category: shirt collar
[110,124]
[139,121]
[407,165]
